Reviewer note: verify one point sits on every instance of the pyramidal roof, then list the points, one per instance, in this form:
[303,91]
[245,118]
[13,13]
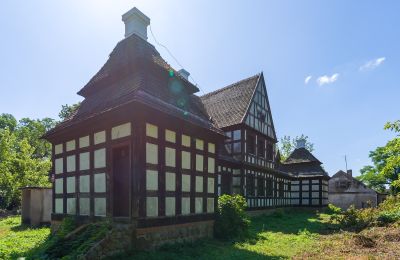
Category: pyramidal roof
[136,72]
[228,106]
[303,163]
[301,155]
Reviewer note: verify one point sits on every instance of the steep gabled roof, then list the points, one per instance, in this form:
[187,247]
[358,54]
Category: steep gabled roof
[228,106]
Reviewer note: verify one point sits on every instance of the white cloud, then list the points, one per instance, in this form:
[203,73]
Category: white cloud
[327,79]
[372,64]
[308,78]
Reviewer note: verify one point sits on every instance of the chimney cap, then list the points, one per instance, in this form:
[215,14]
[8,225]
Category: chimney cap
[136,22]
[301,143]
[184,73]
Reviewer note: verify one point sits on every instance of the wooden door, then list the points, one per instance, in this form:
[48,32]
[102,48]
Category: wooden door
[121,180]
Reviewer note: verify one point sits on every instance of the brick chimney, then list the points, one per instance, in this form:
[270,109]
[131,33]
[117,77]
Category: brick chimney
[136,22]
[350,173]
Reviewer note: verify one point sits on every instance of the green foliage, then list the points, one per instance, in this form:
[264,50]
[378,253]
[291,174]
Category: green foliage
[231,219]
[18,240]
[288,144]
[8,121]
[269,238]
[62,245]
[68,110]
[386,163]
[332,209]
[388,217]
[358,219]
[24,157]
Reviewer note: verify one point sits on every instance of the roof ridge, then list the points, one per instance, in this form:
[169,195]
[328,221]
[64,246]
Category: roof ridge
[229,86]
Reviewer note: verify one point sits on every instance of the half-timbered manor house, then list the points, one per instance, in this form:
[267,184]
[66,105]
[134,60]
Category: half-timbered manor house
[144,148]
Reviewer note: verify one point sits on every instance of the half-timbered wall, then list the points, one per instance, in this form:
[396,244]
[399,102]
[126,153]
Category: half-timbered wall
[180,173]
[81,172]
[259,114]
[263,189]
[309,192]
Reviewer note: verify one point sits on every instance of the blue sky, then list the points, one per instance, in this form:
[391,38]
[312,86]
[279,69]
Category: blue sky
[50,49]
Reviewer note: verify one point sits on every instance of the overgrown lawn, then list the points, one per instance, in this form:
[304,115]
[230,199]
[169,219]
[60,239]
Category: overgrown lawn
[18,240]
[282,235]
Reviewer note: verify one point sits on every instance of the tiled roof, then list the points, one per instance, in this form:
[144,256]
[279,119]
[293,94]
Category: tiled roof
[228,106]
[135,65]
[300,155]
[303,169]
[303,164]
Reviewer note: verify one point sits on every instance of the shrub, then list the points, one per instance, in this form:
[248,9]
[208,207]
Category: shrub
[391,203]
[387,217]
[332,209]
[231,219]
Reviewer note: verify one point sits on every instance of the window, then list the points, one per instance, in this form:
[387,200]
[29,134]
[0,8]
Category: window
[250,185]
[236,147]
[236,135]
[233,142]
[269,188]
[270,152]
[260,148]
[260,187]
[280,190]
[250,144]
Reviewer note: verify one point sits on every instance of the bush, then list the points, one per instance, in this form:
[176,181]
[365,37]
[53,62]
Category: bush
[388,217]
[332,209]
[231,219]
[357,219]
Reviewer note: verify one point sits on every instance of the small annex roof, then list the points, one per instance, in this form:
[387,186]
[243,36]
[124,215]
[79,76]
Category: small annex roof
[228,106]
[301,155]
[303,163]
[133,72]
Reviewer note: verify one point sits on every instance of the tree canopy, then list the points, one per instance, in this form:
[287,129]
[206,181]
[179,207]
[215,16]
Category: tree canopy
[24,157]
[386,163]
[288,144]
[68,110]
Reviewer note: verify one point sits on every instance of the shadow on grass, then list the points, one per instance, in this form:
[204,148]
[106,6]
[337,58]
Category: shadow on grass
[24,227]
[201,249]
[293,221]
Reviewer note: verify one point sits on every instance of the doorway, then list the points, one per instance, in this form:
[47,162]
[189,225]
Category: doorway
[121,180]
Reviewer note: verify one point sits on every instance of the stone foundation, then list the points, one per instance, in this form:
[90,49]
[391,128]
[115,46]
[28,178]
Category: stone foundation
[154,237]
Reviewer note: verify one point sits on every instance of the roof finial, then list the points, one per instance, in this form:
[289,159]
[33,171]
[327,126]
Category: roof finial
[301,143]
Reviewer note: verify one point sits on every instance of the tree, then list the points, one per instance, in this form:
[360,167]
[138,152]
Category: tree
[386,163]
[68,110]
[370,177]
[8,121]
[32,130]
[288,144]
[24,157]
[19,168]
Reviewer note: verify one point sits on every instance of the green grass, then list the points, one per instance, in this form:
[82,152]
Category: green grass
[18,240]
[279,236]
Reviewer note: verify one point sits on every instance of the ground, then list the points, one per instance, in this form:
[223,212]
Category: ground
[298,234]
[18,240]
